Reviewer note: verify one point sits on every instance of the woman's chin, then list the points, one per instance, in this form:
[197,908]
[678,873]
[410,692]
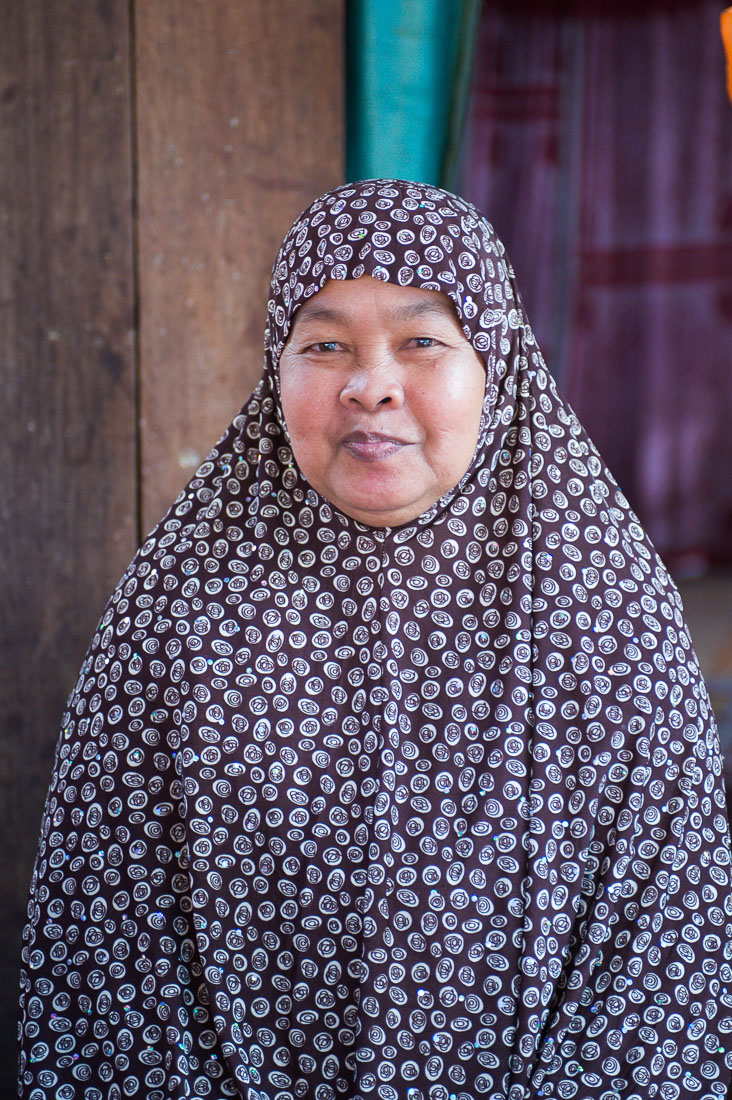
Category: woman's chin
[382,510]
[383,494]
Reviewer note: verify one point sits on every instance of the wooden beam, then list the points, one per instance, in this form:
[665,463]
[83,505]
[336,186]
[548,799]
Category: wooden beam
[67,446]
[240,125]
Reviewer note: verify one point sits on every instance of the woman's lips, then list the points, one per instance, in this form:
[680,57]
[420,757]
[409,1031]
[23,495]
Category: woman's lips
[371,446]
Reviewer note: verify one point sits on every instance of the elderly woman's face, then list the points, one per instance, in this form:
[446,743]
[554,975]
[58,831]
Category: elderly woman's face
[382,397]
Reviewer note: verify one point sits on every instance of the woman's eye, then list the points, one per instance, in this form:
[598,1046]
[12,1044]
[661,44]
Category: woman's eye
[325,345]
[424,342]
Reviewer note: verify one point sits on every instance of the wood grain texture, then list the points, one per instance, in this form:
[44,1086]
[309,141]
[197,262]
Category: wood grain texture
[240,125]
[67,448]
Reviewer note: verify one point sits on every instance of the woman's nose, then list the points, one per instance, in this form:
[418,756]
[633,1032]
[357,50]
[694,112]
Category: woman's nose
[374,387]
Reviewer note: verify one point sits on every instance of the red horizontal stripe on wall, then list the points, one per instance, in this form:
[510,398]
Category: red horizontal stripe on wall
[518,104]
[677,263]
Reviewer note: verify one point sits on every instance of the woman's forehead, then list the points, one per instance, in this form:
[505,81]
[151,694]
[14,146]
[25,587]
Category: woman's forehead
[346,301]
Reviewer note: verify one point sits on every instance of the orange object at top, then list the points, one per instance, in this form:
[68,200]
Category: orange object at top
[726,24]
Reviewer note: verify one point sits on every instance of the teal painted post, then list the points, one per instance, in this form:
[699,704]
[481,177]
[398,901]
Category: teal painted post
[408,68]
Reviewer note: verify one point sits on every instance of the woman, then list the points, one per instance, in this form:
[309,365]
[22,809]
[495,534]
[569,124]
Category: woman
[390,771]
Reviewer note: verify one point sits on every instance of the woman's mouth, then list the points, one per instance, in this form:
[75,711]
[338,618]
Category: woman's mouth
[371,446]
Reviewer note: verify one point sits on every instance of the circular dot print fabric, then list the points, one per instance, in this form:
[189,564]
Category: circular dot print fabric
[432,812]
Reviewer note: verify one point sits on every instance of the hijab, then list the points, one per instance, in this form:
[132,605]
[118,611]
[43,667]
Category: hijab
[429,812]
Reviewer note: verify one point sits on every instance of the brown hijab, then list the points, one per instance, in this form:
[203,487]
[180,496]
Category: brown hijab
[424,813]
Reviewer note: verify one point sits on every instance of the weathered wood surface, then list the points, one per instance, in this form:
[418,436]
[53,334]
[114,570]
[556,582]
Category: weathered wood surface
[234,110]
[239,125]
[67,448]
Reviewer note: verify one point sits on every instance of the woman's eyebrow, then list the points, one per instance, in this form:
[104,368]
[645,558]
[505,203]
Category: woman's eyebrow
[309,313]
[440,306]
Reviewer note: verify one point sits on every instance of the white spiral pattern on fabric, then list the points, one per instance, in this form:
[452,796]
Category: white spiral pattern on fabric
[425,812]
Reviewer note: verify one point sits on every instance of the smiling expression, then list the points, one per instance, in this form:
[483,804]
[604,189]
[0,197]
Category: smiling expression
[382,396]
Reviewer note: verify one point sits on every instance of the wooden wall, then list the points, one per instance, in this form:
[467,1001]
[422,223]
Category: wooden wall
[152,154]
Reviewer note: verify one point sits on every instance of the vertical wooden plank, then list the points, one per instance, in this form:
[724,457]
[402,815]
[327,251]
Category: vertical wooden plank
[240,125]
[67,448]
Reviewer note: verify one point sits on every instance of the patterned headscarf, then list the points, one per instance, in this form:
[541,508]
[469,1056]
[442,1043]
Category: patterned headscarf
[430,812]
